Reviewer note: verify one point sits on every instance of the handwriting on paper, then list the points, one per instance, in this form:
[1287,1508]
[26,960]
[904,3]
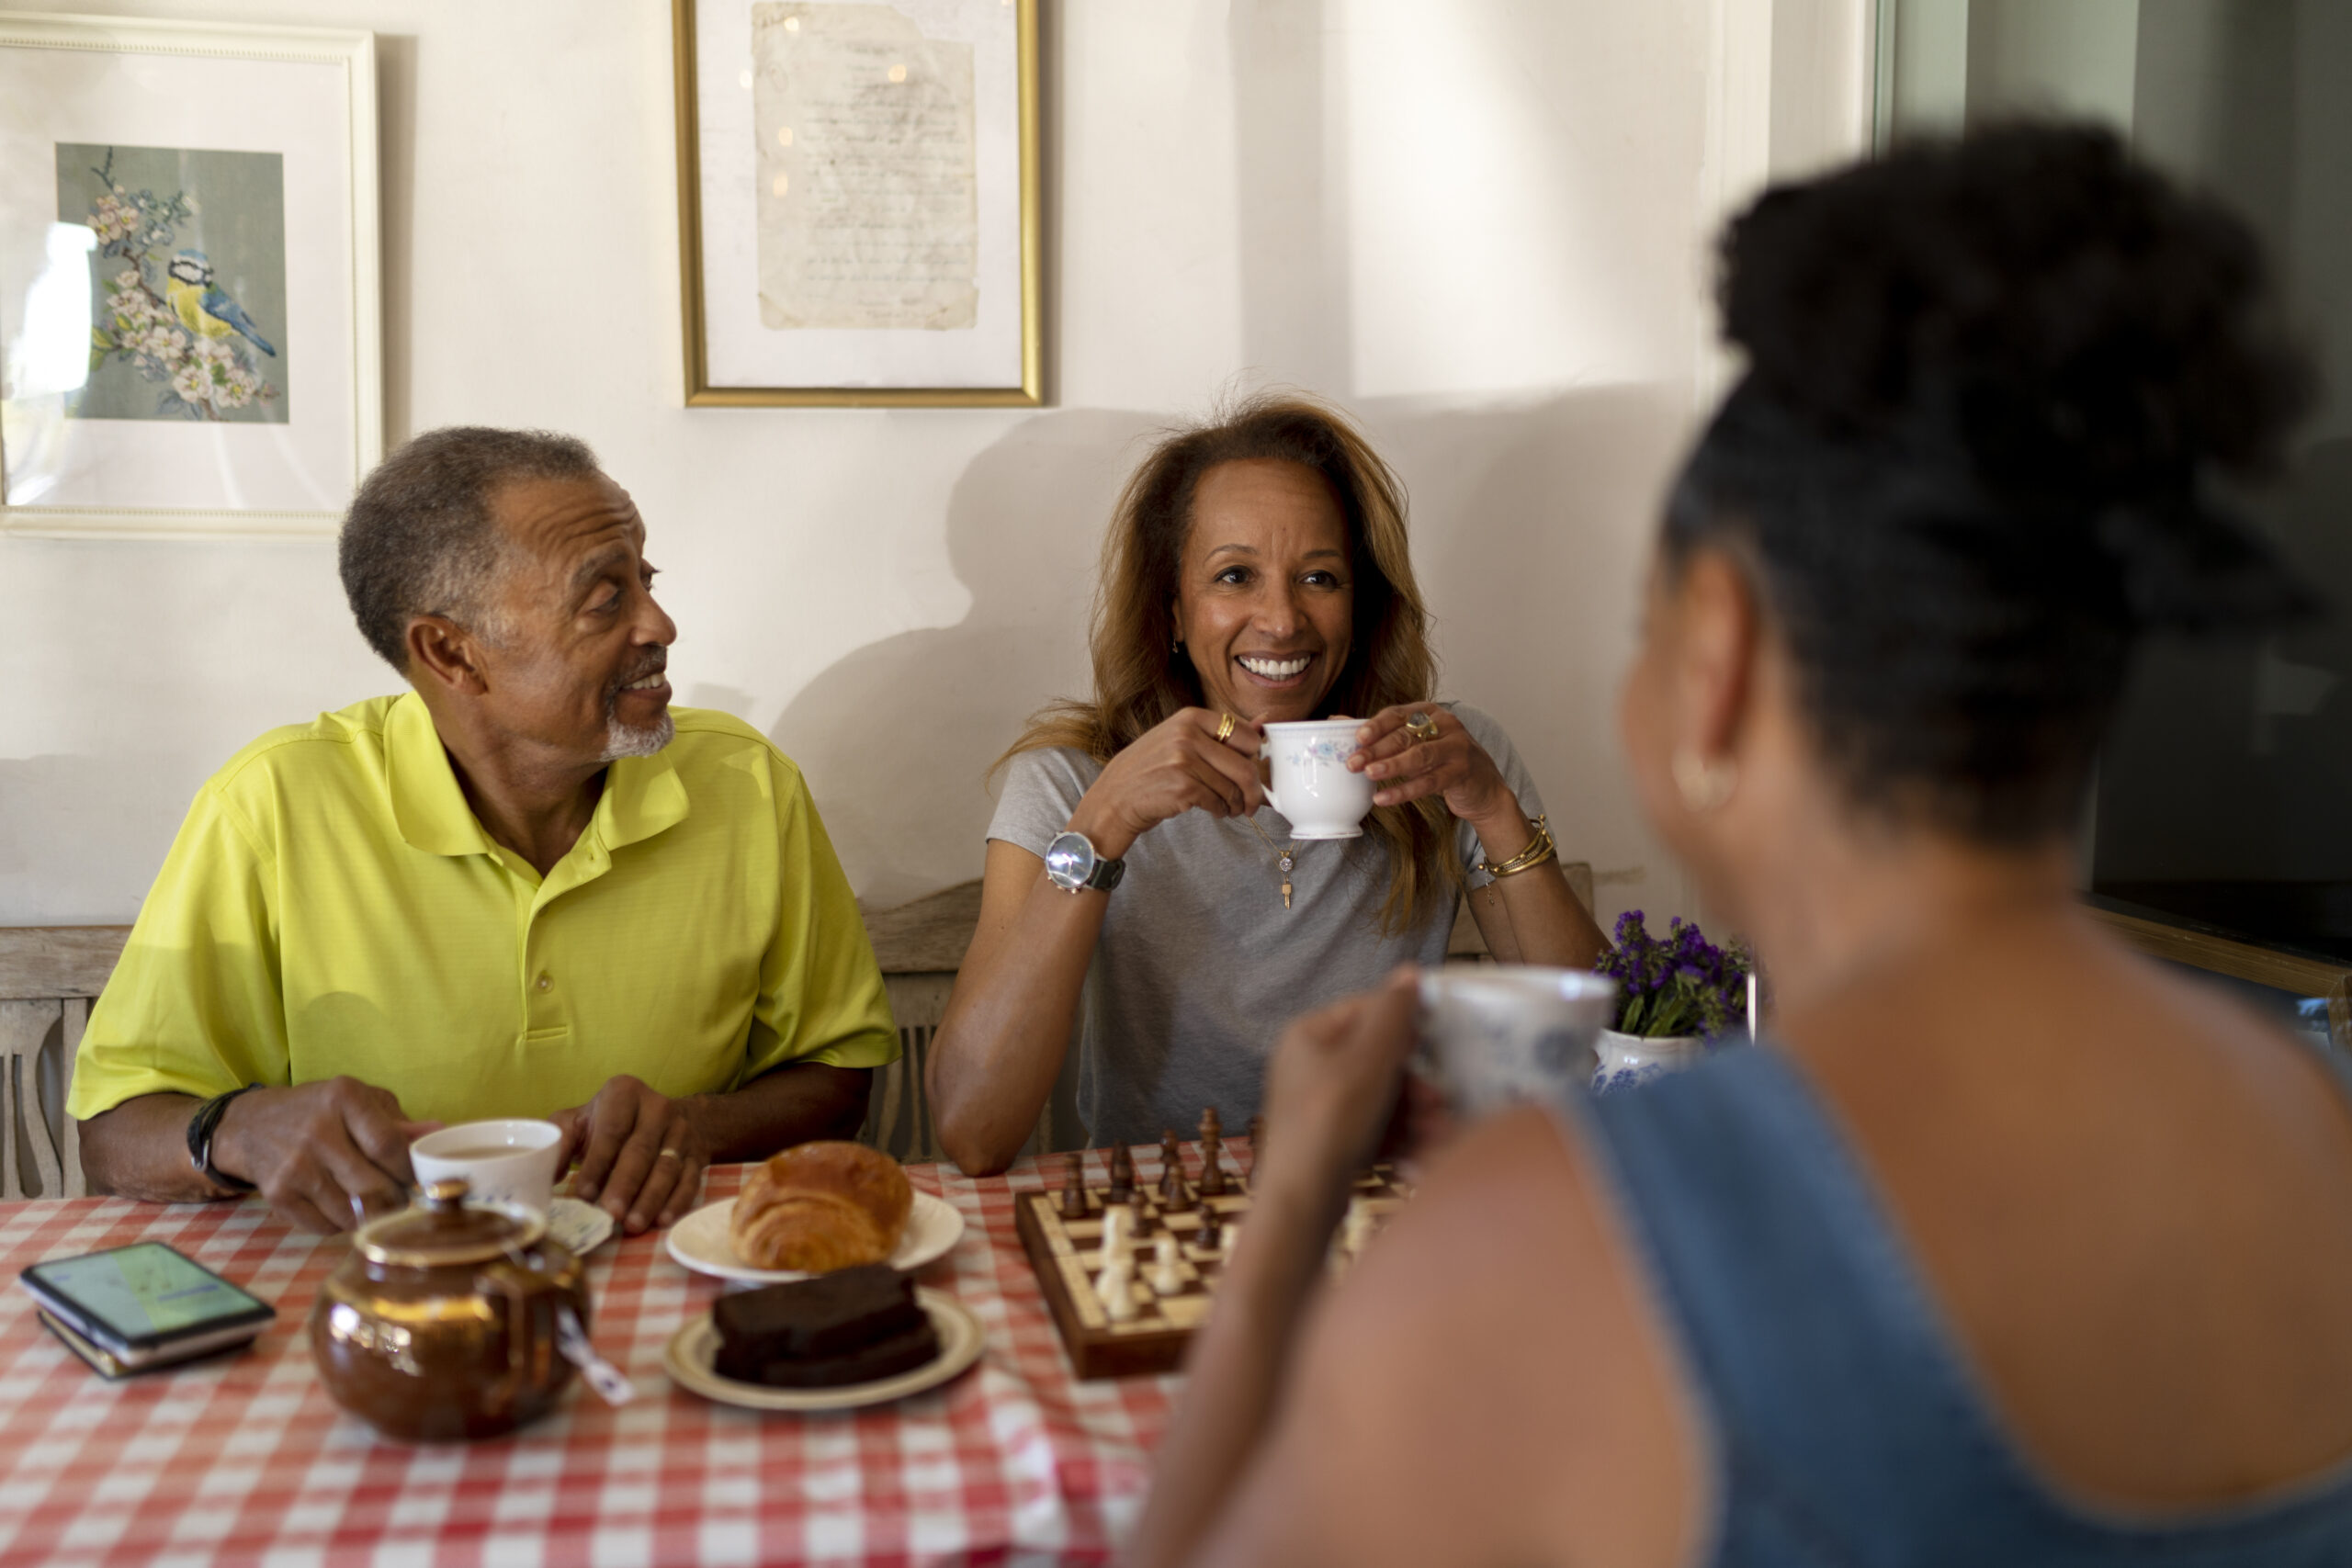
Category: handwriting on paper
[868,199]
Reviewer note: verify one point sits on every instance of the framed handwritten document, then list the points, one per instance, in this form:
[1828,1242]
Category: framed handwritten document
[857,201]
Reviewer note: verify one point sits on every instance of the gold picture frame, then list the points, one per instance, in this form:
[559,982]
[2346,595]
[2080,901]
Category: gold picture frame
[988,369]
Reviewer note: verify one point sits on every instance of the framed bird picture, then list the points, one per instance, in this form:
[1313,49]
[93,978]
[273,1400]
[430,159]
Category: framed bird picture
[858,207]
[189,289]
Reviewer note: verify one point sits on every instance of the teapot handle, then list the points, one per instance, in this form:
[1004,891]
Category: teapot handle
[518,1286]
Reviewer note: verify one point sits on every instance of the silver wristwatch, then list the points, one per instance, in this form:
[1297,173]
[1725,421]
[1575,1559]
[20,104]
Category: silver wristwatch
[1072,865]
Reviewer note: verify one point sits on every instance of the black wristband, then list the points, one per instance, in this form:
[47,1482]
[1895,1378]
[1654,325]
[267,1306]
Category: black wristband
[201,1128]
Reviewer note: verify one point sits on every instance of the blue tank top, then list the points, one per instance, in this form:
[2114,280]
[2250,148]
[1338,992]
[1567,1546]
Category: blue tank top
[1847,1426]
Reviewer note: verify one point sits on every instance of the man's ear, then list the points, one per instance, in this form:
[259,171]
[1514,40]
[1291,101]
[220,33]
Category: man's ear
[1719,625]
[444,652]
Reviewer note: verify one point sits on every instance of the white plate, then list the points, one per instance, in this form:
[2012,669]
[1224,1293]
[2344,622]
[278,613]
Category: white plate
[581,1227]
[702,1242]
[693,1352]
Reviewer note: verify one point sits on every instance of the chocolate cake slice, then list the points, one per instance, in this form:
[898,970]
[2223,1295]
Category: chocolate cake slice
[884,1357]
[811,1325]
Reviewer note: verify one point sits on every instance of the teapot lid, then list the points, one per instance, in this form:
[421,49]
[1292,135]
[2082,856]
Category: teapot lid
[447,1229]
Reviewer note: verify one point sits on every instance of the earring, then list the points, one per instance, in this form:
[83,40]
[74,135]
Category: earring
[1705,786]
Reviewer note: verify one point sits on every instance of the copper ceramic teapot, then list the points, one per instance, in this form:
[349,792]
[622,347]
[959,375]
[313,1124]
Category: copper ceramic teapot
[444,1320]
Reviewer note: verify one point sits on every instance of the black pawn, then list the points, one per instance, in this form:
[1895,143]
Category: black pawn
[1174,1197]
[1123,1175]
[1074,1188]
[1210,1236]
[1212,1154]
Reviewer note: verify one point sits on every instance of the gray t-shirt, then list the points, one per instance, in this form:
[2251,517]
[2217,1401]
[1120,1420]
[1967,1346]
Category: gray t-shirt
[1199,967]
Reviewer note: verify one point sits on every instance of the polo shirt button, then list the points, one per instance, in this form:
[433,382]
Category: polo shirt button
[545,982]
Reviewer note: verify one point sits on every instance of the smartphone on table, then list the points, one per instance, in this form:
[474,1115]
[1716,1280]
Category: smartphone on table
[130,1308]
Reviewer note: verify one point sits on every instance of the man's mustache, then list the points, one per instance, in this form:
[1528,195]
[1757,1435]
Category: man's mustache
[654,666]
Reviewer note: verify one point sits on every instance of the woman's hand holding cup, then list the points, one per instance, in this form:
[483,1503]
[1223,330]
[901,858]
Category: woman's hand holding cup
[1180,764]
[1417,749]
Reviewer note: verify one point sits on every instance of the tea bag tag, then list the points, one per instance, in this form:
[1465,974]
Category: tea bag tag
[597,1373]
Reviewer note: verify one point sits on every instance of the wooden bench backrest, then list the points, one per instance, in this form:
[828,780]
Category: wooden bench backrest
[49,974]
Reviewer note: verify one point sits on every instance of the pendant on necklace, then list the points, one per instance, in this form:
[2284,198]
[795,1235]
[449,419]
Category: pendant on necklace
[1286,864]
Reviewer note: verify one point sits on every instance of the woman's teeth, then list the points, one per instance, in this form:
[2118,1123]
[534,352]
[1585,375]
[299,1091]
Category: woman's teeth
[1274,668]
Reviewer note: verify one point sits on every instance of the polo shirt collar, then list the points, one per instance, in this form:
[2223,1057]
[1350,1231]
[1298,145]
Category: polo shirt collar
[643,795]
[427,803]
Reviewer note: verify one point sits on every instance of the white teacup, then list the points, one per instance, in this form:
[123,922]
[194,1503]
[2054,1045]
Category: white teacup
[507,1161]
[1309,783]
[1496,1034]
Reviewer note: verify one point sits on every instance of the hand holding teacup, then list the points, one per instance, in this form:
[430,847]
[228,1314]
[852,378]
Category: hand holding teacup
[1420,748]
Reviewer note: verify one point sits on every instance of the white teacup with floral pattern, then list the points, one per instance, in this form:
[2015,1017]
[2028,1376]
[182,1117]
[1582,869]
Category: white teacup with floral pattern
[1308,779]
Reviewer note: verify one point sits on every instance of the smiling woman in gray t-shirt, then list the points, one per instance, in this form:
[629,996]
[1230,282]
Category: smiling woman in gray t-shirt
[1141,898]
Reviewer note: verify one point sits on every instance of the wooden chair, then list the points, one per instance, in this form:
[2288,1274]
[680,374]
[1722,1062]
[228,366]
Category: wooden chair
[48,977]
[921,946]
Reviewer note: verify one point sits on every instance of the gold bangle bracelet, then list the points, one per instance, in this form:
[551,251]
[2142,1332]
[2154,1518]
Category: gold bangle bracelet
[1539,849]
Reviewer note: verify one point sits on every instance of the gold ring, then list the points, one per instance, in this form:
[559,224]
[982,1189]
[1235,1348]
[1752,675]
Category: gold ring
[1422,727]
[667,1154]
[1225,726]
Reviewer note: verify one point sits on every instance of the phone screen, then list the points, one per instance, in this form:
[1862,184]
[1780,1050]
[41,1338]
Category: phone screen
[138,1292]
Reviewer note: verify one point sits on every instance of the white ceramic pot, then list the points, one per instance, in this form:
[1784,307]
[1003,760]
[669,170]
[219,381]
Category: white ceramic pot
[1623,1060]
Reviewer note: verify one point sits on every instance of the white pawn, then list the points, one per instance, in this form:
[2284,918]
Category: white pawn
[1227,1242]
[1118,1233]
[1166,1270]
[1358,1229]
[1116,1290]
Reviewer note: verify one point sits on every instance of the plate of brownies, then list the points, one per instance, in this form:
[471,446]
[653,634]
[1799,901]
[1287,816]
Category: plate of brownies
[861,1335]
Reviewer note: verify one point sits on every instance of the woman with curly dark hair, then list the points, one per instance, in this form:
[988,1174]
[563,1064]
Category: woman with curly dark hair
[1144,904]
[2011,1247]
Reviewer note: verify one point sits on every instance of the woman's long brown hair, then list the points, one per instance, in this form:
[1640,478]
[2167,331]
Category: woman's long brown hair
[1140,679]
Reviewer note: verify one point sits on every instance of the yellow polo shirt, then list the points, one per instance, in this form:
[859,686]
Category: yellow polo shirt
[332,906]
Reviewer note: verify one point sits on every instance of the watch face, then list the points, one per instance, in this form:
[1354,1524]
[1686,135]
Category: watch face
[1070,860]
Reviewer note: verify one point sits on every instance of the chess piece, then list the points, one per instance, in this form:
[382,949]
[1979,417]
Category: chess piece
[1231,1239]
[1118,1231]
[1167,1266]
[1074,1188]
[1123,1175]
[1209,1236]
[1257,1143]
[1175,1198]
[1357,1230]
[1212,1154]
[1116,1290]
[1172,1156]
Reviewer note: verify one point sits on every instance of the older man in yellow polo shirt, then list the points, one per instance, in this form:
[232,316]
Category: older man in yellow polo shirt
[523,887]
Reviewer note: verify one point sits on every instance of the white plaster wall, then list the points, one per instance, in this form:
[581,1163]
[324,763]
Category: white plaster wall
[1476,223]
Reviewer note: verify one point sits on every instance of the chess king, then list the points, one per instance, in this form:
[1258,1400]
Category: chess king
[206,310]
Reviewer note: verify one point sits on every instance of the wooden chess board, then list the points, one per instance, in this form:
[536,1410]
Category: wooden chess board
[1068,1257]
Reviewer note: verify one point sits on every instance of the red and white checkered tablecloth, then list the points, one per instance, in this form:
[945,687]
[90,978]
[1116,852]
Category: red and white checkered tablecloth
[245,1461]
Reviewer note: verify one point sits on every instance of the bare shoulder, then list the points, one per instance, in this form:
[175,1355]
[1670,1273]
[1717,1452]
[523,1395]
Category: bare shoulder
[1497,1350]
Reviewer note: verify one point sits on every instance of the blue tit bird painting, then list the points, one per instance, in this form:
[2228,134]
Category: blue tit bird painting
[206,310]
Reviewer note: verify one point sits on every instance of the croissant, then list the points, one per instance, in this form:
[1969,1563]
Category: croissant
[822,1206]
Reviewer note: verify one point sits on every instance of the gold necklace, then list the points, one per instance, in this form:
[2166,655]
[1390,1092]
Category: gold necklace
[1284,857]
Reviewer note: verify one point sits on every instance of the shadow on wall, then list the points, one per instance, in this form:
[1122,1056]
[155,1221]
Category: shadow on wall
[1530,522]
[907,726]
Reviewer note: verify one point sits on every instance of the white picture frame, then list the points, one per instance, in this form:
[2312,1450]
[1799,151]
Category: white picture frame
[267,115]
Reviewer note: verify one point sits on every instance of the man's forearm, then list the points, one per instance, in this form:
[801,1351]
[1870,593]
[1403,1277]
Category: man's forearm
[139,1149]
[786,1105]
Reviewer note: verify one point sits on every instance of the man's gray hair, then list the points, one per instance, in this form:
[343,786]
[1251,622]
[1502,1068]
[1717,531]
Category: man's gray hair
[419,540]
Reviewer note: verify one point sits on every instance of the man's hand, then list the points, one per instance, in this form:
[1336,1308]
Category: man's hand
[640,1157]
[326,1155]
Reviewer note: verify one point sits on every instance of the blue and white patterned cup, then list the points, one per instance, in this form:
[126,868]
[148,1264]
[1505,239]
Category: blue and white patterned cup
[1496,1034]
[1309,783]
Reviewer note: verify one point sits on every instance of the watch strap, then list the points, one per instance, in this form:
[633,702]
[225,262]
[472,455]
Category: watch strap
[200,1130]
